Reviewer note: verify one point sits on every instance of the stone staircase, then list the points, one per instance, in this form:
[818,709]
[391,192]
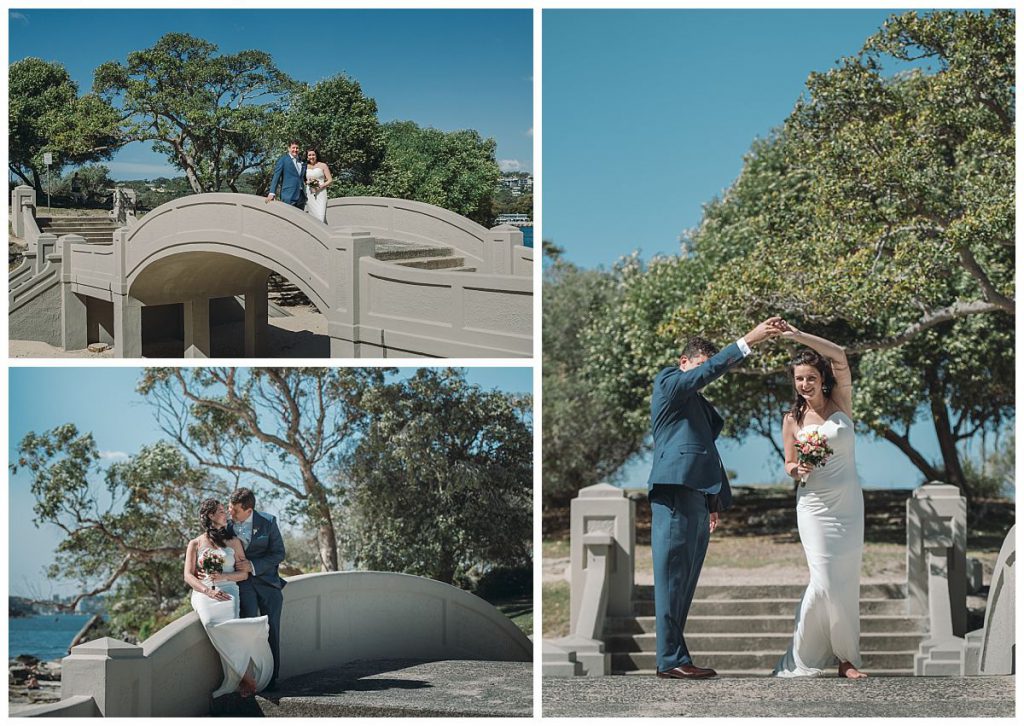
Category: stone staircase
[743,629]
[93,229]
[282,292]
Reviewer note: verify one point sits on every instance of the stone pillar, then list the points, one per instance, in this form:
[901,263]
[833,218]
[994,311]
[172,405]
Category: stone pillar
[348,247]
[73,309]
[999,635]
[197,328]
[498,257]
[127,327]
[21,197]
[603,509]
[114,673]
[46,245]
[937,557]
[257,309]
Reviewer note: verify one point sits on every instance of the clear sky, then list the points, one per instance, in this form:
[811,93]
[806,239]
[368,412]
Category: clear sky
[647,116]
[103,400]
[449,69]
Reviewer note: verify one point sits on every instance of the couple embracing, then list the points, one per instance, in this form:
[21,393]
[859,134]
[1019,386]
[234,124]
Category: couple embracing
[303,181]
[236,590]
[688,490]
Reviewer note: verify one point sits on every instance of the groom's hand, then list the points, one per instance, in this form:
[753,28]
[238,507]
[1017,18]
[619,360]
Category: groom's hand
[768,329]
[714,522]
[270,198]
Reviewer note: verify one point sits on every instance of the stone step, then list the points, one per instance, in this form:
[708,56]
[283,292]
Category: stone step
[390,252]
[433,263]
[73,221]
[768,624]
[891,590]
[724,642]
[762,661]
[787,606]
[88,236]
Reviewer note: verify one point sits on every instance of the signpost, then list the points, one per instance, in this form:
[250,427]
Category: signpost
[48,159]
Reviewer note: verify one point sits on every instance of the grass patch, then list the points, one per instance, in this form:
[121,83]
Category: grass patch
[519,610]
[552,549]
[555,601]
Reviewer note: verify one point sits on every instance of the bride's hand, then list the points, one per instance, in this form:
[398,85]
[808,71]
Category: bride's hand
[215,594]
[785,329]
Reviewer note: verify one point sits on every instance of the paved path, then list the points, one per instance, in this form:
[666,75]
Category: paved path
[739,697]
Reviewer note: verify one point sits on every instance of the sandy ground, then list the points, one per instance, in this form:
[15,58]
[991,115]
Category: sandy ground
[302,335]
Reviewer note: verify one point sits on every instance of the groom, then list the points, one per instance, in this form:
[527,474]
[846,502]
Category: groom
[687,487]
[260,593]
[290,173]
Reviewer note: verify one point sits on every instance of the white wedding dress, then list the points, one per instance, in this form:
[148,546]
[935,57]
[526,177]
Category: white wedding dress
[242,643]
[316,204]
[830,516]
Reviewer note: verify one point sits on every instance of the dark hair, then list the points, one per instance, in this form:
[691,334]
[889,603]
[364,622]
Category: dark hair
[217,535]
[698,346]
[297,143]
[245,497]
[808,357]
[315,151]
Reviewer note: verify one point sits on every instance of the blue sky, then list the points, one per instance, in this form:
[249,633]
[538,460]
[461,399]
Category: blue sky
[450,69]
[103,400]
[647,116]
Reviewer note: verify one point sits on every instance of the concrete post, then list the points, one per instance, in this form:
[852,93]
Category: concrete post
[127,327]
[114,673]
[937,556]
[21,197]
[257,310]
[46,245]
[348,247]
[602,509]
[73,309]
[500,242]
[197,328]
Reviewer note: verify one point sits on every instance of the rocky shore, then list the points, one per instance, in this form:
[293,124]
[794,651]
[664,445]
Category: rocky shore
[32,681]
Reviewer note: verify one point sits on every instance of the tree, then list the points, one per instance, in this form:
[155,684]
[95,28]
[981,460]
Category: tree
[441,483]
[285,427]
[586,437]
[341,123]
[455,170]
[47,115]
[215,117]
[127,537]
[92,181]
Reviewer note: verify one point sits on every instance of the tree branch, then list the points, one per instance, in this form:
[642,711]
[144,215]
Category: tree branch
[987,288]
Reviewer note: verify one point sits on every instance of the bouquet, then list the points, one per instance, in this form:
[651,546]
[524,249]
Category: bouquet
[314,186]
[812,448]
[210,562]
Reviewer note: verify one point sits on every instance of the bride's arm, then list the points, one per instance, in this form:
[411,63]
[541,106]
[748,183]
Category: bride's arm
[240,573]
[327,174]
[190,574]
[843,393]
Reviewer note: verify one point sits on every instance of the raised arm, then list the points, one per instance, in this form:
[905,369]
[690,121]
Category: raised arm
[836,355]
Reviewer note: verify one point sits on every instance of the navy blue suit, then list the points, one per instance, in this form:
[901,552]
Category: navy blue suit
[293,183]
[686,484]
[260,593]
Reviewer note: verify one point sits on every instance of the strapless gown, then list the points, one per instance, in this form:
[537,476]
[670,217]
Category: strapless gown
[830,516]
[316,204]
[242,643]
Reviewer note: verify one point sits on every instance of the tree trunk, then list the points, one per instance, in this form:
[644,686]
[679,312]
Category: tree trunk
[954,473]
[327,541]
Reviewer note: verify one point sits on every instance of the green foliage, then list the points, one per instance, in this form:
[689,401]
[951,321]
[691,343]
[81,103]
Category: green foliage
[125,524]
[341,123]
[91,182]
[455,170]
[46,114]
[213,116]
[440,484]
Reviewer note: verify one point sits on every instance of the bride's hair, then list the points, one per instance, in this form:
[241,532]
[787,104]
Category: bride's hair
[217,535]
[315,151]
[808,357]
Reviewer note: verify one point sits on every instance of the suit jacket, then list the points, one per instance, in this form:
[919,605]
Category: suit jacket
[265,550]
[292,182]
[685,425]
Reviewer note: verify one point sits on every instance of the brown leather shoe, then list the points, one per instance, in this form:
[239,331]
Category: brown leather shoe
[688,672]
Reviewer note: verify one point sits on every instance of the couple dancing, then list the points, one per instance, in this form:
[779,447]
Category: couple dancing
[688,489]
[238,596]
[303,182]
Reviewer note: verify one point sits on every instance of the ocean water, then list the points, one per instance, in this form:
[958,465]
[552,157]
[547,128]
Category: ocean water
[527,236]
[45,636]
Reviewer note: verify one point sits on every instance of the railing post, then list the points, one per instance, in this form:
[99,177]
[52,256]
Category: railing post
[21,197]
[73,309]
[127,310]
[937,557]
[606,509]
[501,241]
[347,248]
[999,634]
[114,673]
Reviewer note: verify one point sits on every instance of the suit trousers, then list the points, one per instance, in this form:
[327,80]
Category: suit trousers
[256,600]
[679,541]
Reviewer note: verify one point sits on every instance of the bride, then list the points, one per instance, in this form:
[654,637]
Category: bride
[242,643]
[318,178]
[830,513]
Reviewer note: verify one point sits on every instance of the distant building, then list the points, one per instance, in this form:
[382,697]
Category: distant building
[514,218]
[517,183]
